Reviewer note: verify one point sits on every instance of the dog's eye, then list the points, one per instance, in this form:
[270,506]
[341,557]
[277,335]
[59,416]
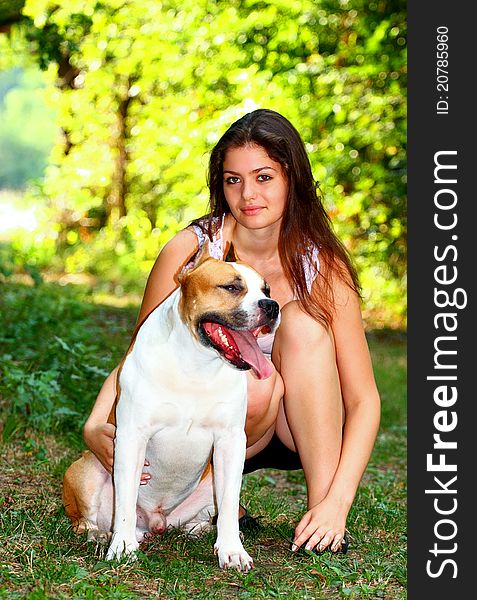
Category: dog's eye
[266,290]
[233,288]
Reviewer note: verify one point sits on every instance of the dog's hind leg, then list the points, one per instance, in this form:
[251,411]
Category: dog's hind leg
[195,513]
[87,497]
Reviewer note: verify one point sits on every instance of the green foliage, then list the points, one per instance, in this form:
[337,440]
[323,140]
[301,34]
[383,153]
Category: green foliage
[147,89]
[27,128]
[51,369]
[27,235]
[10,10]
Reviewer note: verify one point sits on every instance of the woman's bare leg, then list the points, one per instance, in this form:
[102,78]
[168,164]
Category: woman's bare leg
[310,419]
[264,397]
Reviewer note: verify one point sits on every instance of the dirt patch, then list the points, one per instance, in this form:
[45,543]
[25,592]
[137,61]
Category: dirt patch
[30,470]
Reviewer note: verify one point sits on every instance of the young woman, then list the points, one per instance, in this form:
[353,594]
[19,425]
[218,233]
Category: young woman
[320,409]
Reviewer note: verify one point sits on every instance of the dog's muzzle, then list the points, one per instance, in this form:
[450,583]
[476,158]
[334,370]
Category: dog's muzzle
[237,342]
[270,307]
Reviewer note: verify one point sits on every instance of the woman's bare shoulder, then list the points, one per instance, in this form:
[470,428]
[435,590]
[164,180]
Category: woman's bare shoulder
[185,240]
[163,276]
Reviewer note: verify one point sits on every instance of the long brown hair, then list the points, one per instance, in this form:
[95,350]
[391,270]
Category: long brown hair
[305,223]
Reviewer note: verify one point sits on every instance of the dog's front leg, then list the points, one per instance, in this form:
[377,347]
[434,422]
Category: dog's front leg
[129,452]
[229,457]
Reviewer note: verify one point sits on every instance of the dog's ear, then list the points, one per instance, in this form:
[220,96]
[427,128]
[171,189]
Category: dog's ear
[202,253]
[231,256]
[198,258]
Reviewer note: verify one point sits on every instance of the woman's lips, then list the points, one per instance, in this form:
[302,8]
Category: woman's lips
[251,210]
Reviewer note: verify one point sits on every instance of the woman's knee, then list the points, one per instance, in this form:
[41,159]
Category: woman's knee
[300,332]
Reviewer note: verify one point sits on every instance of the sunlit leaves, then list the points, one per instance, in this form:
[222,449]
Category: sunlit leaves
[183,71]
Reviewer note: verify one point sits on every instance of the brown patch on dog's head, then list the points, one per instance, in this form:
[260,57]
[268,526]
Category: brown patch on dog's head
[212,286]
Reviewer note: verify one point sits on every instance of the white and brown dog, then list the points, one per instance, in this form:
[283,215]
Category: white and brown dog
[182,400]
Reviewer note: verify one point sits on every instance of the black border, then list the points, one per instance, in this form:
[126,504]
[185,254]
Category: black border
[428,133]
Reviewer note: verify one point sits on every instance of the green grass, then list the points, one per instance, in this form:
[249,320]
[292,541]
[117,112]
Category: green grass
[56,345]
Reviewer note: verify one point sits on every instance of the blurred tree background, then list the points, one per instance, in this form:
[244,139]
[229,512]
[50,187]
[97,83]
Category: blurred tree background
[108,144]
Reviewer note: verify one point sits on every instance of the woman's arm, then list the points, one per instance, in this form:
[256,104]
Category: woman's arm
[325,520]
[360,395]
[98,433]
[162,279]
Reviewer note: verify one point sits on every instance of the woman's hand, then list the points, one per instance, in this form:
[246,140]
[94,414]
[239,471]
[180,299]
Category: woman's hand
[100,440]
[322,526]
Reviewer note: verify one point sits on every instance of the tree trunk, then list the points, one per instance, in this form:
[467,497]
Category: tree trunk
[116,205]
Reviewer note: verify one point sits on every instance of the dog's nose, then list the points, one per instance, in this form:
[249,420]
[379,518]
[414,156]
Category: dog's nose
[270,307]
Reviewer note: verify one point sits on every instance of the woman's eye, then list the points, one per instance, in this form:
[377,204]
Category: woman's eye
[232,180]
[264,177]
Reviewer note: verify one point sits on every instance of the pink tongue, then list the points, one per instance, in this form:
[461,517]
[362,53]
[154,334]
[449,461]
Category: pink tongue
[251,353]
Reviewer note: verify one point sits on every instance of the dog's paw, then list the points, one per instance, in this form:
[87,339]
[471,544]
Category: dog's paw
[98,537]
[233,557]
[120,548]
[196,528]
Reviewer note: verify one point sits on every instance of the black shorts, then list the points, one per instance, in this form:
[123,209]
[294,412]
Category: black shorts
[274,456]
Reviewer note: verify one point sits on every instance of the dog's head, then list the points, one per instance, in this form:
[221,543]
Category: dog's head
[226,305]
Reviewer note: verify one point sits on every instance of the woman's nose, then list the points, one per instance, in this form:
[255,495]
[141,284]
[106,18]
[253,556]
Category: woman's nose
[248,190]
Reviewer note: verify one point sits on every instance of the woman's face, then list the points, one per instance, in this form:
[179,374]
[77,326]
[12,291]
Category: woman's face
[255,187]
